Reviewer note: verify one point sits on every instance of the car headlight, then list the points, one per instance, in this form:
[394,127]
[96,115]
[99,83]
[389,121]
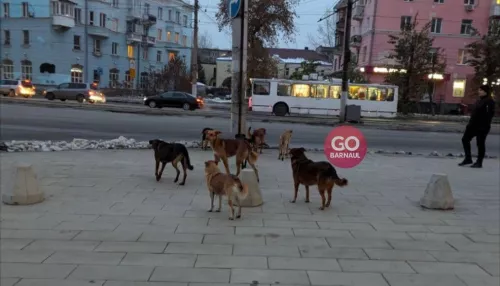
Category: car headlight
[145,98]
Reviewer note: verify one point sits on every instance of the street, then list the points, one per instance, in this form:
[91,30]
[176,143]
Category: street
[23,122]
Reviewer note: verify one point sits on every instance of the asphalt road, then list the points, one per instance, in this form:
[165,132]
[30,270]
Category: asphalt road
[24,122]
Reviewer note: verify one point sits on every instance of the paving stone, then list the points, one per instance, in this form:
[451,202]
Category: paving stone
[479,280]
[104,272]
[191,275]
[87,226]
[119,235]
[129,219]
[351,219]
[38,224]
[446,268]
[472,246]
[290,224]
[40,234]
[174,221]
[298,241]
[8,281]
[492,268]
[192,248]
[382,266]
[84,257]
[123,283]
[224,261]
[165,260]
[204,229]
[336,252]
[14,244]
[271,231]
[316,217]
[321,233]
[358,243]
[294,263]
[423,280]
[462,256]
[68,217]
[455,229]
[266,250]
[24,256]
[364,234]
[58,282]
[392,227]
[160,236]
[145,227]
[121,246]
[269,276]
[35,270]
[59,245]
[390,254]
[416,221]
[484,238]
[345,225]
[233,239]
[351,279]
[420,245]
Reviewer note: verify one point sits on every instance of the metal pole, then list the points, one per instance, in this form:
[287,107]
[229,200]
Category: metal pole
[241,93]
[194,52]
[86,41]
[347,59]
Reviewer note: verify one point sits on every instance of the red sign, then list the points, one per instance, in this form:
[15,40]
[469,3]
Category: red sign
[345,147]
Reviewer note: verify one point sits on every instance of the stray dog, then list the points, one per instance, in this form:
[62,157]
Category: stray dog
[226,148]
[257,138]
[283,145]
[221,184]
[204,141]
[310,173]
[170,153]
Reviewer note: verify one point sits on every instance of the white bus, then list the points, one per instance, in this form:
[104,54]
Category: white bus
[282,97]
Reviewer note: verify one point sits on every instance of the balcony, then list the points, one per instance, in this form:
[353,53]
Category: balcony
[495,11]
[134,38]
[63,22]
[356,41]
[98,31]
[340,24]
[148,40]
[358,13]
[148,19]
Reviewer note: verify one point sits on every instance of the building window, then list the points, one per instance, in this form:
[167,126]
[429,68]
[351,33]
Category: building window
[115,3]
[146,8]
[114,48]
[159,34]
[26,37]
[184,40]
[25,10]
[178,17]
[77,74]
[459,88]
[130,51]
[26,70]
[113,77]
[158,56]
[6,37]
[160,13]
[436,25]
[462,57]
[102,20]
[470,2]
[114,25]
[466,27]
[128,80]
[171,56]
[78,16]
[185,20]
[97,46]
[91,18]
[439,1]
[144,80]
[76,43]
[169,37]
[405,22]
[8,69]
[6,10]
[176,40]
[170,15]
[145,54]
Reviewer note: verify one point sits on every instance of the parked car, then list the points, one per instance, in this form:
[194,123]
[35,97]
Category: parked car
[219,92]
[174,99]
[12,87]
[76,91]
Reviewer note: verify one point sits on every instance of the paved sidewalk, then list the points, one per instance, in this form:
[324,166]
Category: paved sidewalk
[106,221]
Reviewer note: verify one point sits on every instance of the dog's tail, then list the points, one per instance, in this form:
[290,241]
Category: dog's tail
[187,161]
[241,188]
[331,174]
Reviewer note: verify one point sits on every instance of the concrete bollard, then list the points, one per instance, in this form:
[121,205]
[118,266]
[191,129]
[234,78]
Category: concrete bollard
[438,194]
[254,198]
[26,189]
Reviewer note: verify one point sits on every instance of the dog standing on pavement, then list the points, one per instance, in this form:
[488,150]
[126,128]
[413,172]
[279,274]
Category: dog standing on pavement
[310,173]
[170,153]
[220,184]
[257,138]
[226,148]
[284,143]
[204,140]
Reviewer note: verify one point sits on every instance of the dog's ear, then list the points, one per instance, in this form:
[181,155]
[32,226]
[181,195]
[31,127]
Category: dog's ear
[217,132]
[302,149]
[151,142]
[207,163]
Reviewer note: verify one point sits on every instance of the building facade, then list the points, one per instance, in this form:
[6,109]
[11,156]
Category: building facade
[114,42]
[208,60]
[451,21]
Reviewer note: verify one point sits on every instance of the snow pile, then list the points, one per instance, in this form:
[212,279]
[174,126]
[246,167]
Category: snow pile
[218,100]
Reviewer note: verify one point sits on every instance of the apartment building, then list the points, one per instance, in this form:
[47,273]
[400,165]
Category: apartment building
[451,22]
[114,42]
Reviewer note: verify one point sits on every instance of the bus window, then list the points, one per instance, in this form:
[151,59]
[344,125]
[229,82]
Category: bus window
[357,92]
[300,90]
[284,89]
[261,88]
[319,91]
[335,91]
[374,94]
[390,94]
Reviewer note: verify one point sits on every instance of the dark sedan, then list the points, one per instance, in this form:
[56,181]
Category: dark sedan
[174,99]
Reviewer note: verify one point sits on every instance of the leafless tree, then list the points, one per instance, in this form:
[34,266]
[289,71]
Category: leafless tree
[205,41]
[325,34]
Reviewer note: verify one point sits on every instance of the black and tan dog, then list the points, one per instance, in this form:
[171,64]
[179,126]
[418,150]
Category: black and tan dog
[310,173]
[204,140]
[170,153]
[257,138]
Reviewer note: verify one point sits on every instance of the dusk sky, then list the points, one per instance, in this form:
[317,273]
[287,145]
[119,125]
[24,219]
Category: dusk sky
[306,23]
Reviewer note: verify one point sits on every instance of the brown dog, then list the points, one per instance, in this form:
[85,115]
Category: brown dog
[257,138]
[204,140]
[226,148]
[283,145]
[310,173]
[220,184]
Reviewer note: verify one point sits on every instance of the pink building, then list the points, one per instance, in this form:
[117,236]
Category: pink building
[374,20]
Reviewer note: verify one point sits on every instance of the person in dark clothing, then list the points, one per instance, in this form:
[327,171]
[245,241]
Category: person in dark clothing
[479,126]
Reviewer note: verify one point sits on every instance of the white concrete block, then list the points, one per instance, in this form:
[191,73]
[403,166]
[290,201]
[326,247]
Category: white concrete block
[26,189]
[438,194]
[254,198]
